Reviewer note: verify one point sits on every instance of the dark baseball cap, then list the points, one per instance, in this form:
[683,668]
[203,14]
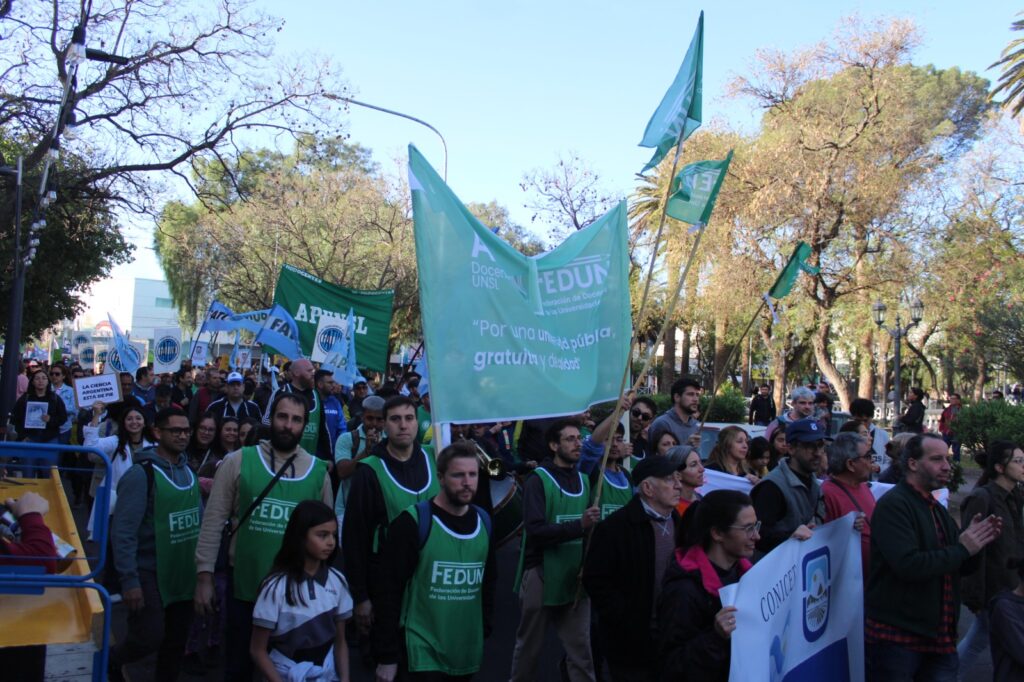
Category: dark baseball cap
[657,466]
[805,431]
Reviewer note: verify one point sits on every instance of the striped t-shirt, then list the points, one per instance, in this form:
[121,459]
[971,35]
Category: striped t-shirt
[305,630]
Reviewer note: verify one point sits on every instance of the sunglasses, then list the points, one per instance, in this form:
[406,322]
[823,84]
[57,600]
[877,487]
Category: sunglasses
[642,416]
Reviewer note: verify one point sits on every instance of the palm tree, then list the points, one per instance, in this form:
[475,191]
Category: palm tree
[1012,80]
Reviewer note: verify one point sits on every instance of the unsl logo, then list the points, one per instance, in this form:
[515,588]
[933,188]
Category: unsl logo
[101,356]
[88,354]
[168,349]
[183,520]
[80,340]
[817,580]
[328,337]
[114,358]
[456,573]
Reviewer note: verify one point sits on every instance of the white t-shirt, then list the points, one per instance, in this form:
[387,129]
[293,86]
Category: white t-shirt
[305,630]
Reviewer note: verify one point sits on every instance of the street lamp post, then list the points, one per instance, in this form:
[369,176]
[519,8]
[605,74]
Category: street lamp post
[12,345]
[349,100]
[898,333]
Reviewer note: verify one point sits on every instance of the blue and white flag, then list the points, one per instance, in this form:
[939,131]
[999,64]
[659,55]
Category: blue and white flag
[233,360]
[219,318]
[800,610]
[280,333]
[123,357]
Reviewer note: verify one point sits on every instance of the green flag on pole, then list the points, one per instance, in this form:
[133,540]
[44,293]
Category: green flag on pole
[306,297]
[787,278]
[514,337]
[695,189]
[680,108]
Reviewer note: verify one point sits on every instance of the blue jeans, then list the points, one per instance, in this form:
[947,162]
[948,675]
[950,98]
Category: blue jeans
[893,663]
[955,444]
[974,644]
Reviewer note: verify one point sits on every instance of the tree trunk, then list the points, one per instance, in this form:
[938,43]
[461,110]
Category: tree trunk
[721,351]
[928,368]
[668,360]
[779,367]
[684,350]
[866,380]
[948,369]
[819,341]
[979,382]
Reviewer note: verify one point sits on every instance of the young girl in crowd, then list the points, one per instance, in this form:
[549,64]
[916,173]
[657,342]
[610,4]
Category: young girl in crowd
[303,601]
[200,448]
[666,441]
[730,454]
[777,448]
[694,629]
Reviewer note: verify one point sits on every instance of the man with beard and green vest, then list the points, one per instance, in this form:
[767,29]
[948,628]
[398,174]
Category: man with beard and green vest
[154,533]
[435,593]
[256,526]
[396,474]
[555,517]
[315,438]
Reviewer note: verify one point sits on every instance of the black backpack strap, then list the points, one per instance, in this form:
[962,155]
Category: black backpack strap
[147,466]
[266,491]
[355,443]
[485,518]
[424,516]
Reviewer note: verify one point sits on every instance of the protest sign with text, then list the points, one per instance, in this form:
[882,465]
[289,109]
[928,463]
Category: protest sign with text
[102,387]
[307,297]
[800,611]
[509,336]
[166,350]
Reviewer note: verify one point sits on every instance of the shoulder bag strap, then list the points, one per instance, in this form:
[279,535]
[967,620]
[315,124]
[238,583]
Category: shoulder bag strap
[266,491]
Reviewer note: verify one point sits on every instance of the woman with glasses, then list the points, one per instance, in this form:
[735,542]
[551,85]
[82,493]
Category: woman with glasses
[694,629]
[998,492]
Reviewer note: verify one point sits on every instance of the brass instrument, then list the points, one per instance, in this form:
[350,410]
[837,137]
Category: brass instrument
[495,467]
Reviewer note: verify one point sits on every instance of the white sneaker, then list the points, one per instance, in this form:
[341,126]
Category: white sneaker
[115,598]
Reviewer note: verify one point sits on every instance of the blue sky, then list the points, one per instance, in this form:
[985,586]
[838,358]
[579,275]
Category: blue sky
[511,85]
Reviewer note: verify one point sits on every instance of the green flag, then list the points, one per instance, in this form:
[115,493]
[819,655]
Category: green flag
[680,110]
[306,297]
[513,337]
[695,189]
[787,278]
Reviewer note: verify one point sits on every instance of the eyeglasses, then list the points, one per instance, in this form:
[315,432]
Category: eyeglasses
[642,416]
[184,431]
[750,530]
[58,373]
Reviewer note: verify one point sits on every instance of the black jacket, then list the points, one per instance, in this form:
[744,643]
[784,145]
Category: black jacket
[688,646]
[619,577]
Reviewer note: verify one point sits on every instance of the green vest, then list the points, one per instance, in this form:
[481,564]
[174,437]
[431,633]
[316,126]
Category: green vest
[259,538]
[613,497]
[397,497]
[176,526]
[311,433]
[425,431]
[442,608]
[561,562]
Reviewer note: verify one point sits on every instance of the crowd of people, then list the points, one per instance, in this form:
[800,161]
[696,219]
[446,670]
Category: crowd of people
[271,523]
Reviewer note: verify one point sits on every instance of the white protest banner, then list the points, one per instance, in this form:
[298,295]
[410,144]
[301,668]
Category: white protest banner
[329,329]
[878,489]
[719,480]
[142,347]
[79,341]
[166,350]
[101,347]
[199,351]
[244,359]
[34,413]
[103,387]
[800,611]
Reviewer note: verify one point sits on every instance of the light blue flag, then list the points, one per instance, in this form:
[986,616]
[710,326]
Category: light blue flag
[352,374]
[250,322]
[219,318]
[509,336]
[280,333]
[123,357]
[424,372]
[341,357]
[233,358]
[679,113]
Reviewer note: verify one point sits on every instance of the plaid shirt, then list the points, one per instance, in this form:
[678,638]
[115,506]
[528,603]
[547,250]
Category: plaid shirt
[876,632]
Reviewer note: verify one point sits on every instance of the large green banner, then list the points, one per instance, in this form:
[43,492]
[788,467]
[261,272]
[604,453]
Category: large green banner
[307,297]
[512,337]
